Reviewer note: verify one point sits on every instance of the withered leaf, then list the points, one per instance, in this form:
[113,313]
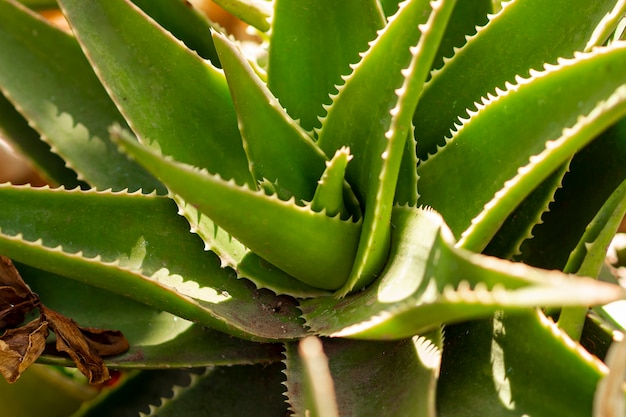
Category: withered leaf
[16,298]
[20,347]
[71,341]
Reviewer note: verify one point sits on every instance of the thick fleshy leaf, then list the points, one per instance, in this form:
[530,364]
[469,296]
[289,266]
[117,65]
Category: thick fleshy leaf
[499,52]
[573,103]
[168,94]
[278,149]
[429,282]
[521,365]
[376,134]
[35,79]
[292,237]
[54,230]
[226,391]
[595,172]
[395,378]
[312,43]
[155,336]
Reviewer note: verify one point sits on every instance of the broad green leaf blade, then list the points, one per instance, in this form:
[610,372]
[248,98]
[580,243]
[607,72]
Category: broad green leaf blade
[278,149]
[429,282]
[224,391]
[292,237]
[586,86]
[587,128]
[589,255]
[15,129]
[186,23]
[155,336]
[59,231]
[312,43]
[168,94]
[265,275]
[229,391]
[595,172]
[521,365]
[498,53]
[395,378]
[36,60]
[372,116]
[256,13]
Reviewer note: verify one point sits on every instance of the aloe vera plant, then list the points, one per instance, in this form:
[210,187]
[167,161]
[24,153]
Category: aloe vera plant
[361,214]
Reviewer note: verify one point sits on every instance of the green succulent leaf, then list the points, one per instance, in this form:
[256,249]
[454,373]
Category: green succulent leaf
[312,43]
[170,392]
[377,134]
[54,230]
[560,94]
[269,134]
[54,103]
[292,237]
[524,35]
[169,95]
[397,378]
[521,364]
[595,173]
[154,336]
[429,282]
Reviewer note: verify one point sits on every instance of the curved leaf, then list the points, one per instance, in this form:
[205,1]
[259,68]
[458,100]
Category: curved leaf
[499,133]
[167,94]
[36,80]
[312,43]
[429,282]
[397,378]
[164,267]
[294,238]
[521,365]
[511,44]
[376,134]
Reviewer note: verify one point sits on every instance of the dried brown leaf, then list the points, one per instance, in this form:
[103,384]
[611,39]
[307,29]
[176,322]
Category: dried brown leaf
[72,341]
[16,298]
[20,347]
